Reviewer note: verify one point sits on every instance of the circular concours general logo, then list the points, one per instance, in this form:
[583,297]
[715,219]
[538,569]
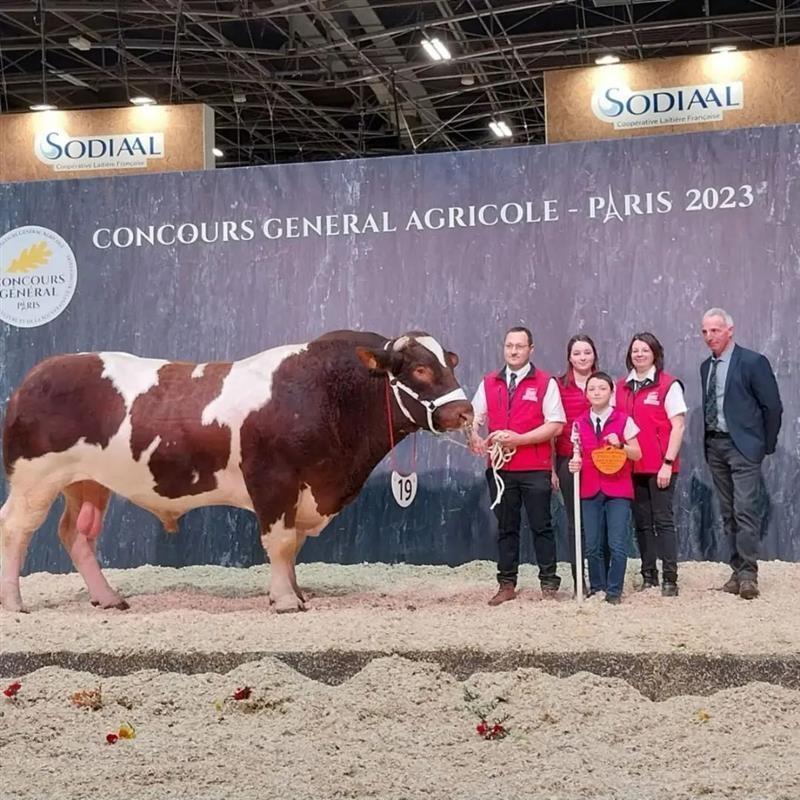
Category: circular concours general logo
[38,276]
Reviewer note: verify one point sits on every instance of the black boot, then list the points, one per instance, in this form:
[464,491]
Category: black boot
[650,580]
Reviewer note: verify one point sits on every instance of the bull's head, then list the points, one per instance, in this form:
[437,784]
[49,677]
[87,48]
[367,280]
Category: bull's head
[420,373]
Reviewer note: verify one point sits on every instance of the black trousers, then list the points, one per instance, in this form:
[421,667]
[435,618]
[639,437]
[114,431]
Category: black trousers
[655,527]
[738,484]
[531,488]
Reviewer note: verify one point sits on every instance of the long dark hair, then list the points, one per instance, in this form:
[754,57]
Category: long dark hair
[650,340]
[568,378]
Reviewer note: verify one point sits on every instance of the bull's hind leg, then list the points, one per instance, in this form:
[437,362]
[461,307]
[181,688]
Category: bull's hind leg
[21,514]
[79,528]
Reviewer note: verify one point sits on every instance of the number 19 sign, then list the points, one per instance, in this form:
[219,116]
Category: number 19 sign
[404,488]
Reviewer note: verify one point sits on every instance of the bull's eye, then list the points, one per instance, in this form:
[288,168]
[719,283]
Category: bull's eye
[423,373]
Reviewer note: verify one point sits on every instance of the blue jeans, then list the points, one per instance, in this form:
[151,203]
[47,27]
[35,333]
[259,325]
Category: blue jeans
[615,512]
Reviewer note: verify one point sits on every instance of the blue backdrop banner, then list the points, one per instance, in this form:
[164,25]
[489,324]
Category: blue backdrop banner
[607,238]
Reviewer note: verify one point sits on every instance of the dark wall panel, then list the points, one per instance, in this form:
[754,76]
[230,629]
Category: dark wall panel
[596,261]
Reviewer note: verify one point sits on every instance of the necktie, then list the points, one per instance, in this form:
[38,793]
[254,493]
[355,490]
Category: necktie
[598,428]
[512,386]
[710,406]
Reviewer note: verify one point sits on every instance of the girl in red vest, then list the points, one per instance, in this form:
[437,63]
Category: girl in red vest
[582,362]
[654,399]
[605,499]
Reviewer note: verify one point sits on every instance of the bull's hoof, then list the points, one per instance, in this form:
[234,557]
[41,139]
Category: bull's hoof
[287,604]
[12,601]
[14,608]
[120,605]
[290,609]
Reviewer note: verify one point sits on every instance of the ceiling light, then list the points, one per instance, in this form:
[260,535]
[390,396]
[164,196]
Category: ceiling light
[80,43]
[723,48]
[69,78]
[607,59]
[435,49]
[43,107]
[142,100]
[240,98]
[217,152]
[500,129]
[467,80]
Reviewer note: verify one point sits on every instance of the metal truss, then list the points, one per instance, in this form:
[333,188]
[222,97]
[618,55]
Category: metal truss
[322,79]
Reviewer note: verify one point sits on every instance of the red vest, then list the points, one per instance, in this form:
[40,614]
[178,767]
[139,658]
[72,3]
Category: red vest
[575,404]
[646,407]
[592,480]
[523,415]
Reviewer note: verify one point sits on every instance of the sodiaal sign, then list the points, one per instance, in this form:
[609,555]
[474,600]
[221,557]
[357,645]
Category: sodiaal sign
[106,151]
[678,105]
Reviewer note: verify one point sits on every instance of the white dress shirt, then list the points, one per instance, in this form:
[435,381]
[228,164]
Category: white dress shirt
[629,432]
[723,362]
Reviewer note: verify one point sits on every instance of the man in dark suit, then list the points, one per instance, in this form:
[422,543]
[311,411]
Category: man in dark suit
[742,413]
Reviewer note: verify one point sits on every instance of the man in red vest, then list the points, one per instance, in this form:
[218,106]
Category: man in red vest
[522,408]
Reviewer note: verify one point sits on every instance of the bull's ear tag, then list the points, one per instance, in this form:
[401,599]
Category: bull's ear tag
[404,488]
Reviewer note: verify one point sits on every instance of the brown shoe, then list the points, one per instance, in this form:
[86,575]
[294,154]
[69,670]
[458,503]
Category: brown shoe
[748,590]
[505,592]
[731,586]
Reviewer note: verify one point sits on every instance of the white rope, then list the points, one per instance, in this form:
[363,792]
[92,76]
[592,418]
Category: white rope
[499,457]
[443,437]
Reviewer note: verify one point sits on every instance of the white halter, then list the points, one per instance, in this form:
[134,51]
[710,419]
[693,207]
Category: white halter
[429,405]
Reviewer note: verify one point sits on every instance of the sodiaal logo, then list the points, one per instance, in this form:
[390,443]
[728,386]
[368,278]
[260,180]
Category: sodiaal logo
[124,151]
[679,105]
[38,276]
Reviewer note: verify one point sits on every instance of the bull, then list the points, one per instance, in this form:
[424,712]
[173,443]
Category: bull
[291,434]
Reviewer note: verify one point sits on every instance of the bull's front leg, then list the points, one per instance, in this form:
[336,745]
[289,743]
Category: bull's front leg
[274,492]
[280,544]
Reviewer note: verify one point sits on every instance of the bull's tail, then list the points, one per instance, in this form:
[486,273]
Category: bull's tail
[11,415]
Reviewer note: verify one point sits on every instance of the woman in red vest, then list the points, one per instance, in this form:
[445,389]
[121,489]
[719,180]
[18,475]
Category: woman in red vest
[654,399]
[605,498]
[582,362]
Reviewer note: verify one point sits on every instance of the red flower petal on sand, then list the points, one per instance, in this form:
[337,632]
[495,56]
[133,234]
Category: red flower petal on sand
[482,728]
[111,738]
[12,689]
[243,693]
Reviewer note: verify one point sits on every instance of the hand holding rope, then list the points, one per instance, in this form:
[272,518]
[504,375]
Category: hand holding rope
[499,456]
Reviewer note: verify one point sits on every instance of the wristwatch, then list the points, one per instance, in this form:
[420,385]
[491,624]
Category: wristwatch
[669,461]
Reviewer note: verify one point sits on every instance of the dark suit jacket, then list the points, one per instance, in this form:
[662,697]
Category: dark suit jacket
[752,404]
